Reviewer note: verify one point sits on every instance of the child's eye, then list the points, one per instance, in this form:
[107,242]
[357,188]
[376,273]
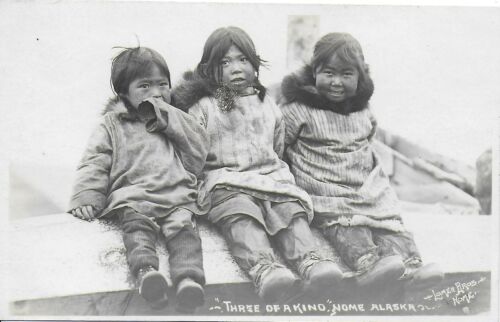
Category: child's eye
[244,59]
[144,86]
[224,63]
[164,84]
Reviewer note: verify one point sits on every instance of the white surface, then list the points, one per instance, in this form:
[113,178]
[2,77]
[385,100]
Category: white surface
[58,255]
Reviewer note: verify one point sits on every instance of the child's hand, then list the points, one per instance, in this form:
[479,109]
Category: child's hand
[146,111]
[149,112]
[87,213]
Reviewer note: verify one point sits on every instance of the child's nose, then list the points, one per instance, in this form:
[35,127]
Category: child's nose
[336,80]
[155,92]
[236,68]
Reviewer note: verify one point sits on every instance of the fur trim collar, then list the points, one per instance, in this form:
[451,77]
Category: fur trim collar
[300,87]
[116,105]
[192,88]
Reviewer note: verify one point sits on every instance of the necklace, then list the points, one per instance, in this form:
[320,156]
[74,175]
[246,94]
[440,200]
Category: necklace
[226,97]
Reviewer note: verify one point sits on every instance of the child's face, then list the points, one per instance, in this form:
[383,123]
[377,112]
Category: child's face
[337,80]
[237,71]
[153,85]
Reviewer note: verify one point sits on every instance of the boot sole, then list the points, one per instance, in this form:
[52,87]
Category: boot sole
[279,290]
[324,282]
[154,290]
[190,297]
[423,284]
[379,275]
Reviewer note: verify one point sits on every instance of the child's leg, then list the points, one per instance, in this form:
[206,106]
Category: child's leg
[185,260]
[184,249]
[416,274]
[139,236]
[297,244]
[247,240]
[185,256]
[356,247]
[296,241]
[251,249]
[354,244]
[397,243]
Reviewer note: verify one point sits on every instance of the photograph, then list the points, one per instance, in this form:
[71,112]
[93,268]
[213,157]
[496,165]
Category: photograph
[239,161]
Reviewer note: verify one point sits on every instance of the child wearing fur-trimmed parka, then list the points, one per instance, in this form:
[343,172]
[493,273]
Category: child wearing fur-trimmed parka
[247,189]
[329,133]
[140,166]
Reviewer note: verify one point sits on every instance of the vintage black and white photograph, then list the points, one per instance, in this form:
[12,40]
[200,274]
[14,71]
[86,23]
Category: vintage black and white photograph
[238,161]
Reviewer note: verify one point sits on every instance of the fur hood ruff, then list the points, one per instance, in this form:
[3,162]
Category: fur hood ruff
[114,104]
[192,88]
[117,105]
[300,87]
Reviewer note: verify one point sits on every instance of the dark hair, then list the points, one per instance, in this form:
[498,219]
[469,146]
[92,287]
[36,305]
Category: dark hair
[133,63]
[347,49]
[217,45]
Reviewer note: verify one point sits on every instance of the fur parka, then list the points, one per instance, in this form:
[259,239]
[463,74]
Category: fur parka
[192,88]
[245,146]
[330,153]
[300,87]
[149,165]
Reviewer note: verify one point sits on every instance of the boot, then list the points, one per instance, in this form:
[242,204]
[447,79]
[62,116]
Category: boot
[385,271]
[318,273]
[190,295]
[272,280]
[422,277]
[152,287]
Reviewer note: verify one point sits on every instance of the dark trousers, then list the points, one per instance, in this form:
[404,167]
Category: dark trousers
[140,234]
[354,242]
[249,242]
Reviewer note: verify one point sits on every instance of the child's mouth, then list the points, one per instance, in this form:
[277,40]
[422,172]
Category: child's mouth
[237,81]
[336,92]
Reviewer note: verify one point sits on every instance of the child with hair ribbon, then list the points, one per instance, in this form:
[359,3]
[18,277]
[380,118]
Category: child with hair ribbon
[247,190]
[329,134]
[140,166]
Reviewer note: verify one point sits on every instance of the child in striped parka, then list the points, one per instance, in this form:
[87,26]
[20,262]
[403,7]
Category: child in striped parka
[329,133]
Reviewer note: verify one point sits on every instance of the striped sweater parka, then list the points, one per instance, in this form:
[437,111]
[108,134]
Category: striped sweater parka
[328,147]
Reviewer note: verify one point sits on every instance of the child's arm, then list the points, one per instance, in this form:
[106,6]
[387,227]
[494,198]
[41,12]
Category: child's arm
[189,137]
[200,114]
[373,131]
[279,136]
[293,125]
[92,177]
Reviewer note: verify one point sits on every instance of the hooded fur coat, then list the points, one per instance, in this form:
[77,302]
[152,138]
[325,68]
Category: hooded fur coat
[151,168]
[329,149]
[245,145]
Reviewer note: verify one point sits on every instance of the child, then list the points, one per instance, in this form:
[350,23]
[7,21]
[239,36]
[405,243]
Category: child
[144,172]
[329,131]
[249,192]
